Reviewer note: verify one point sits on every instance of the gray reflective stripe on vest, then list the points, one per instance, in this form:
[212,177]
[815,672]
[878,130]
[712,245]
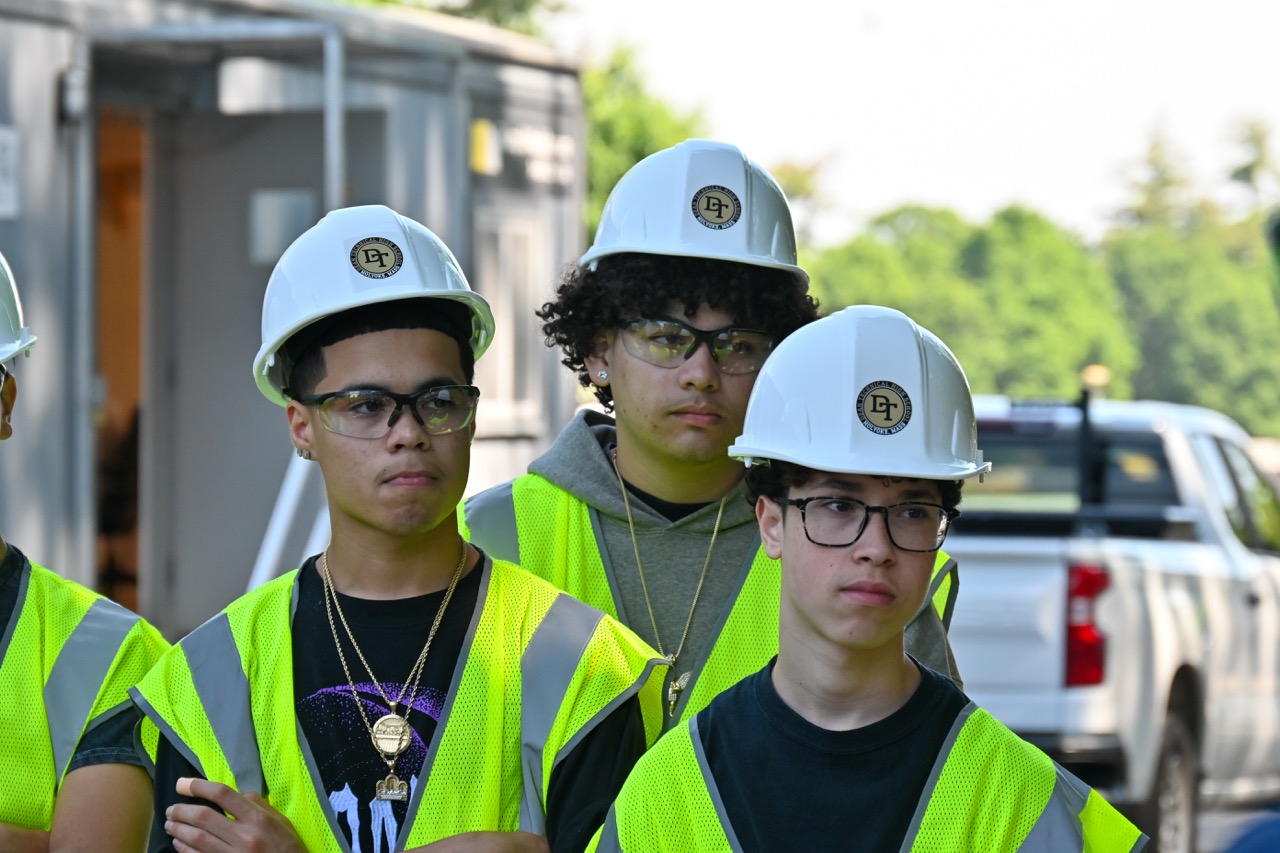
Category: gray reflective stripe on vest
[491,522]
[78,674]
[943,752]
[717,631]
[948,571]
[1060,820]
[546,669]
[609,842]
[713,790]
[223,688]
[23,583]
[597,535]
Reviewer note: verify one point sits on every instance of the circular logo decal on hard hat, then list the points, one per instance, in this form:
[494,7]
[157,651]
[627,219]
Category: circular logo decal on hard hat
[376,257]
[716,207]
[884,408]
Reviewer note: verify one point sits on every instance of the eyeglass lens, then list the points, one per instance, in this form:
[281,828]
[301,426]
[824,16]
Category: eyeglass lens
[667,343]
[837,522]
[373,414]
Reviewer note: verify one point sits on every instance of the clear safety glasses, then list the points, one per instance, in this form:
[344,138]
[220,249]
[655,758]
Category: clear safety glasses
[439,410]
[839,522]
[668,343]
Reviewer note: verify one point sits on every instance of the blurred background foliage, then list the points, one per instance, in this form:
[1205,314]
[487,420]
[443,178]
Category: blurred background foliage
[1178,299]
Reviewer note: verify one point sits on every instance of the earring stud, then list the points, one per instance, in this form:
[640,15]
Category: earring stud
[304,454]
[604,374]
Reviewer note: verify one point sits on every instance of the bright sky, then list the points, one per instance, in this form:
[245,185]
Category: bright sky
[967,104]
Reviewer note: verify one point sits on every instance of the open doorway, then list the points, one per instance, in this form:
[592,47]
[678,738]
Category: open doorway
[119,226]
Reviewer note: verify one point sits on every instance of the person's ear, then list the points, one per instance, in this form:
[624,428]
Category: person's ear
[8,394]
[300,427]
[597,363]
[769,516]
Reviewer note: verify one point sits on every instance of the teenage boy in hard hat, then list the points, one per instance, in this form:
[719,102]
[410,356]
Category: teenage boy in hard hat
[402,687]
[69,778]
[691,282]
[859,434]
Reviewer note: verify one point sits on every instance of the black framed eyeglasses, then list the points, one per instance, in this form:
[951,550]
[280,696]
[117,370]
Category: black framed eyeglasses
[372,413]
[836,522]
[668,343]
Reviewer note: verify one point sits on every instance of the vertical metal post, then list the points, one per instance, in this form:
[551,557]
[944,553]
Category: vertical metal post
[335,162]
[84,384]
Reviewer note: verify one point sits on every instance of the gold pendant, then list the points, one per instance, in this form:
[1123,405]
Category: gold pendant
[392,788]
[391,735]
[674,690]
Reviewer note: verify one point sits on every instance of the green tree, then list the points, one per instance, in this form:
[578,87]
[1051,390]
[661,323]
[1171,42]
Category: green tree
[626,124]
[801,182]
[1023,304]
[1258,171]
[522,16]
[1051,306]
[1160,187]
[1203,306]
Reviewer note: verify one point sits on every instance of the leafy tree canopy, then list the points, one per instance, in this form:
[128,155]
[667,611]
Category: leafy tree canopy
[627,124]
[522,16]
[1023,304]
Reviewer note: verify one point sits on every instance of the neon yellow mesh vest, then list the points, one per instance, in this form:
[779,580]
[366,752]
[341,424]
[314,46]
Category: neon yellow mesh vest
[557,543]
[537,669]
[70,655]
[990,792]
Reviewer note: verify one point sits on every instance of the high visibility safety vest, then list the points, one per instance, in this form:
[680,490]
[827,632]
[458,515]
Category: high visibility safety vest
[553,532]
[69,658]
[989,792]
[537,670]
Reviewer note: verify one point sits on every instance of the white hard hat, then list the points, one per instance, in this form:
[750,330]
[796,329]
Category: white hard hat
[15,338]
[352,257]
[863,391]
[699,199]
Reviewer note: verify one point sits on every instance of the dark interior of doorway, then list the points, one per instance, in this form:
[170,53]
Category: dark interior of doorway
[121,142]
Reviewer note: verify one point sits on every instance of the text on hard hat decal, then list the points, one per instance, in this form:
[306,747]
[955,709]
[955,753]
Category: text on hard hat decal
[884,408]
[376,257]
[716,207]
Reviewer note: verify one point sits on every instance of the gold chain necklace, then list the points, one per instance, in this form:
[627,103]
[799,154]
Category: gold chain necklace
[390,733]
[677,685]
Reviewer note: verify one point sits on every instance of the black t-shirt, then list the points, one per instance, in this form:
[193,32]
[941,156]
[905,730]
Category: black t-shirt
[796,786]
[391,634]
[669,510]
[110,738]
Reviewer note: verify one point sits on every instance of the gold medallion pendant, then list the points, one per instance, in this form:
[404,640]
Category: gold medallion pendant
[392,788]
[391,734]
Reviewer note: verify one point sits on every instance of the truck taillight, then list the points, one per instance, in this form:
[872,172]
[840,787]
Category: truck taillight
[1086,647]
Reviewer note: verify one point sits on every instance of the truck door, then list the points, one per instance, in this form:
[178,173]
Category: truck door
[1252,508]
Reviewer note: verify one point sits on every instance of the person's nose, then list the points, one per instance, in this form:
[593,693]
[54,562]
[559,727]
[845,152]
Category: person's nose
[700,370]
[874,544]
[407,428]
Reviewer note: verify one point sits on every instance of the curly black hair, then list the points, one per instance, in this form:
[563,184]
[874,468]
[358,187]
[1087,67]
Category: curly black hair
[631,285]
[776,479]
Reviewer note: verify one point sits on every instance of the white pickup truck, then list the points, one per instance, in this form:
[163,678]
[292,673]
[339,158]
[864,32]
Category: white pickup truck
[1119,602]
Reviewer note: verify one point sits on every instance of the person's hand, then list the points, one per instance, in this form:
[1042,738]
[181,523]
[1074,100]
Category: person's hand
[257,828]
[487,842]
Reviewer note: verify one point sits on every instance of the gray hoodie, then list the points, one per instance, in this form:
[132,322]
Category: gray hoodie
[672,553]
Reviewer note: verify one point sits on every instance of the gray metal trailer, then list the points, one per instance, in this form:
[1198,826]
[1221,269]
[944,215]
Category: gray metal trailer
[155,159]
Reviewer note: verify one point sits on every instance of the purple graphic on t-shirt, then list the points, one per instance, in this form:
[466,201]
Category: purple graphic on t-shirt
[350,765]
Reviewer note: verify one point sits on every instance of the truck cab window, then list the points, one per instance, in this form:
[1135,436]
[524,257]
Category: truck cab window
[1260,502]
